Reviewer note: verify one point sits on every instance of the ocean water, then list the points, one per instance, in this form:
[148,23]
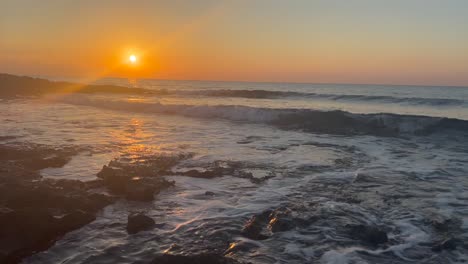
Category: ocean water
[333,155]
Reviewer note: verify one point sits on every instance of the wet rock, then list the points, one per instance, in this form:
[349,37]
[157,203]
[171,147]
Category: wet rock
[254,227]
[26,231]
[280,220]
[35,157]
[448,244]
[35,212]
[363,178]
[142,189]
[24,161]
[144,166]
[48,162]
[114,178]
[280,224]
[222,168]
[29,224]
[107,172]
[139,222]
[140,193]
[120,182]
[20,234]
[444,224]
[193,259]
[75,219]
[208,174]
[45,195]
[4,138]
[173,247]
[241,246]
[369,234]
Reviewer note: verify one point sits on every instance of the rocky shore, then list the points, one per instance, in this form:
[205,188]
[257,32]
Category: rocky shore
[35,212]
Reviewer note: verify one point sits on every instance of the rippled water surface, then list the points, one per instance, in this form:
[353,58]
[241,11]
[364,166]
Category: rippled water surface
[321,181]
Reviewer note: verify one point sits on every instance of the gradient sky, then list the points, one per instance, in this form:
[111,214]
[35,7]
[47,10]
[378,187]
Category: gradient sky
[354,41]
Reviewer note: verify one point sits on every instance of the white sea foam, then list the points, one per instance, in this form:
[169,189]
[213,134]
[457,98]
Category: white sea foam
[333,122]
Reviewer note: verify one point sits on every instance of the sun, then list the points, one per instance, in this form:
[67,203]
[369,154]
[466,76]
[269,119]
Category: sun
[132,58]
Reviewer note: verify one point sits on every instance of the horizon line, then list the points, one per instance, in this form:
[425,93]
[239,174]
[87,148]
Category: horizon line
[50,78]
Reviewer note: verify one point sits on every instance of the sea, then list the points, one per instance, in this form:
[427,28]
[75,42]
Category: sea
[326,156]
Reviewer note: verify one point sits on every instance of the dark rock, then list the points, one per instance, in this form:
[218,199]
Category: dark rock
[208,174]
[280,220]
[35,212]
[254,227]
[139,222]
[145,166]
[23,232]
[241,246]
[208,193]
[222,168]
[369,234]
[46,195]
[140,193]
[120,182]
[3,138]
[75,219]
[49,162]
[106,172]
[114,178]
[448,244]
[140,190]
[442,224]
[193,259]
[280,224]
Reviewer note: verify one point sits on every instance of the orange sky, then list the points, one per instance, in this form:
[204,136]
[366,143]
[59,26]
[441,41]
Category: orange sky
[401,42]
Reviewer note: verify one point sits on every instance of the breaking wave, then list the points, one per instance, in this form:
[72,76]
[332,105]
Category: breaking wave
[265,94]
[330,122]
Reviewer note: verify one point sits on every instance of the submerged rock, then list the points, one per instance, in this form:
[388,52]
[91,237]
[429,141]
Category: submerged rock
[254,227]
[369,234]
[223,168]
[260,226]
[240,246]
[280,224]
[444,224]
[208,174]
[139,222]
[193,259]
[447,244]
[281,220]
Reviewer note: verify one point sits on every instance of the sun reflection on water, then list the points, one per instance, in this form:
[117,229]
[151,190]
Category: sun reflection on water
[138,140]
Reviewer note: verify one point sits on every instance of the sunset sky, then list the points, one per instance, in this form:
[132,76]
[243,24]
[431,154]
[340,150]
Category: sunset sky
[356,41]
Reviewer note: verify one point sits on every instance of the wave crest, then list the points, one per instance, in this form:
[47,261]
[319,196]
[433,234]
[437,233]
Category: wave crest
[330,122]
[264,94]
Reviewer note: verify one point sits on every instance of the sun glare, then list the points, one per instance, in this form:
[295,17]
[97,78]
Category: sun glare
[132,58]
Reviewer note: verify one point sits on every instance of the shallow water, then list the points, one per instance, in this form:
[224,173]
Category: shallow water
[322,181]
